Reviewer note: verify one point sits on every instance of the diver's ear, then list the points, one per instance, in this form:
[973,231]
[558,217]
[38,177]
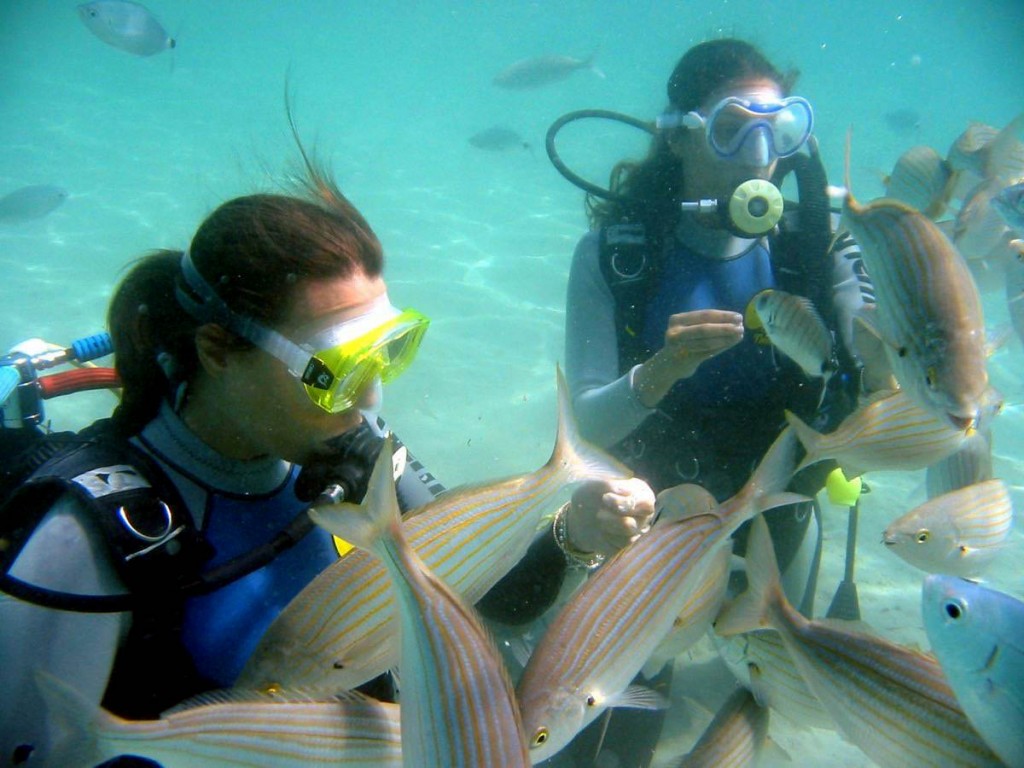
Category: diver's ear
[214,346]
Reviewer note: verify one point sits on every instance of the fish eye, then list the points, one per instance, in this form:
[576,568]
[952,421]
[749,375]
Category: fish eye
[591,701]
[540,737]
[923,535]
[954,609]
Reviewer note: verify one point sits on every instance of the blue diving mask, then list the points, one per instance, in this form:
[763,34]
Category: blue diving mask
[750,131]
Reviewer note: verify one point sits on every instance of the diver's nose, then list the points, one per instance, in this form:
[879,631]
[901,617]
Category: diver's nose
[756,150]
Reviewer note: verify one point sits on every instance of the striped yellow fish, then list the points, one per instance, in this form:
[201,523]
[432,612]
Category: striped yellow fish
[601,638]
[759,661]
[928,306]
[958,533]
[795,328]
[890,701]
[891,431]
[923,180]
[979,230]
[230,728]
[734,738]
[458,706]
[339,631]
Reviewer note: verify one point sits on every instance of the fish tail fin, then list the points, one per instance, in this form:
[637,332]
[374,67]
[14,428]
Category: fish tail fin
[808,438]
[754,608]
[575,456]
[366,524]
[1002,149]
[80,721]
[776,469]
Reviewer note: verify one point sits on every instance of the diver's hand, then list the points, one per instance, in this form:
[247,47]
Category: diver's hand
[691,338]
[604,516]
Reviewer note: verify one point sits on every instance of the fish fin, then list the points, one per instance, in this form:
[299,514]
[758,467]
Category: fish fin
[777,466]
[78,718]
[850,202]
[751,610]
[574,455]
[808,437]
[775,500]
[1002,148]
[365,524]
[639,697]
[684,501]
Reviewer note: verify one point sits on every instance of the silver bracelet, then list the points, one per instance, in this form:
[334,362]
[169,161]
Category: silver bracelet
[575,558]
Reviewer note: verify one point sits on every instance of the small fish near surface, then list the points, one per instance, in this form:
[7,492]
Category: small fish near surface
[458,706]
[957,533]
[29,203]
[929,309]
[890,701]
[126,25]
[498,139]
[242,729]
[538,71]
[977,633]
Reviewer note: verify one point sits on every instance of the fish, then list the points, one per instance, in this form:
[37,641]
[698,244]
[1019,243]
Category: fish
[928,307]
[1015,291]
[602,637]
[126,26]
[32,202]
[1009,203]
[795,328]
[538,71]
[903,121]
[339,631]
[229,727]
[890,431]
[977,633]
[498,139]
[979,231]
[890,701]
[989,153]
[760,662]
[735,737]
[922,179]
[970,463]
[458,706]
[957,533]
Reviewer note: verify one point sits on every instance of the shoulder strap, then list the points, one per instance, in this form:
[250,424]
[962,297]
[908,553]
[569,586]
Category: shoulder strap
[627,257]
[151,536]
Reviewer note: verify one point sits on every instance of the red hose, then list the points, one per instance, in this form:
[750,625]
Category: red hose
[77,380]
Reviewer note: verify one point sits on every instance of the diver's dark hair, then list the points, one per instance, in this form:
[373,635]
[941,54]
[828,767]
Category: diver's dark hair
[650,187]
[254,250]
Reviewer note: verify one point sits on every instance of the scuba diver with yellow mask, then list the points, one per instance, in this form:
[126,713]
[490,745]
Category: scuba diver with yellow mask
[142,565]
[661,358]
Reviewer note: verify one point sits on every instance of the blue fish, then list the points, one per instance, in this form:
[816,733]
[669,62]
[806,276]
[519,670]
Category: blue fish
[126,25]
[977,634]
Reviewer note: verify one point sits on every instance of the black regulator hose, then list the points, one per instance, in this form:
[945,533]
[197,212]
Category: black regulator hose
[602,114]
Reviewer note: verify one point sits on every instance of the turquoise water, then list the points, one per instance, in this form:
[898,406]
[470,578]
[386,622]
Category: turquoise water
[480,241]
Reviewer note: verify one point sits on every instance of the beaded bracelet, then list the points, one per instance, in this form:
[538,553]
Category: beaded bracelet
[575,558]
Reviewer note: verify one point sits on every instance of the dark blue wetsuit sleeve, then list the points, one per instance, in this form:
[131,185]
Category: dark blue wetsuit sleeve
[529,588]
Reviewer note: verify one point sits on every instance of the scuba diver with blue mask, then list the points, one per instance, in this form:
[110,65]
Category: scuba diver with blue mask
[662,360]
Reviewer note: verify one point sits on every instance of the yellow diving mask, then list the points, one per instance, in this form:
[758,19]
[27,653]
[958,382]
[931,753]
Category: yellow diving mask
[337,364]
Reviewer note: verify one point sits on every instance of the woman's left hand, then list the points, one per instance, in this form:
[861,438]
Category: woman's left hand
[605,516]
